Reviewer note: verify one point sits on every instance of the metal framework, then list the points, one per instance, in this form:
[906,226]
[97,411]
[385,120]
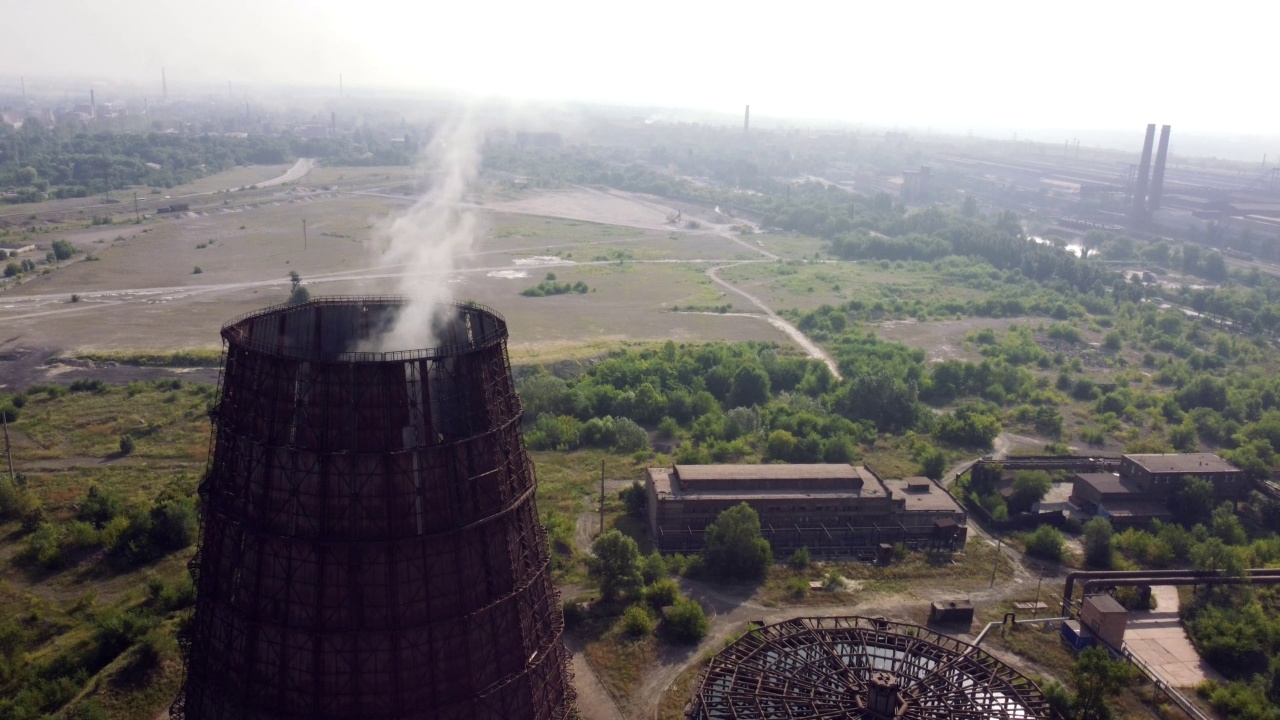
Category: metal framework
[856,667]
[370,546]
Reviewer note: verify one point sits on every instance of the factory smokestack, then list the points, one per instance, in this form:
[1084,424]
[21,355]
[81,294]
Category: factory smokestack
[1157,175]
[1144,173]
[746,119]
[93,104]
[164,86]
[370,546]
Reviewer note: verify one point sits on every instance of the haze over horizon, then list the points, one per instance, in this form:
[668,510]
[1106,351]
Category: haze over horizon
[989,67]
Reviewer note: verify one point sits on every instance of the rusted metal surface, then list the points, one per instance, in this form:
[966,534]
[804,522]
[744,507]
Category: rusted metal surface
[369,545]
[843,667]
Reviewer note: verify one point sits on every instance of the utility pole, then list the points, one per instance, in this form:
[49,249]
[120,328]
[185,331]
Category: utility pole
[304,234]
[996,563]
[136,216]
[1035,609]
[601,496]
[8,449]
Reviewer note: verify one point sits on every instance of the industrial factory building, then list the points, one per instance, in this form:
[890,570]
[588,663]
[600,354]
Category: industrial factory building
[1141,491]
[831,509]
[369,542]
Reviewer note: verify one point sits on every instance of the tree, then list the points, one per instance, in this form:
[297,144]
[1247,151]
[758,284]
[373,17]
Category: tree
[63,250]
[634,499]
[781,445]
[1029,488]
[617,563]
[734,548]
[1097,543]
[1097,677]
[628,436]
[1046,543]
[750,387]
[1193,503]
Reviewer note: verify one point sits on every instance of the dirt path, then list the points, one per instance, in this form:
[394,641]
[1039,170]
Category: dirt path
[594,700]
[810,347]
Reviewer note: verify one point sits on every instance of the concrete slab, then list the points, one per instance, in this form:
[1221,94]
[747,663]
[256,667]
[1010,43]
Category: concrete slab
[1159,640]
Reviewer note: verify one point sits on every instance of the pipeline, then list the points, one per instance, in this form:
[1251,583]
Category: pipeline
[1129,578]
[1009,619]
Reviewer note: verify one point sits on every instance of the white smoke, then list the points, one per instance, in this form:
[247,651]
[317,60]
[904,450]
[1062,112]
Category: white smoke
[426,240]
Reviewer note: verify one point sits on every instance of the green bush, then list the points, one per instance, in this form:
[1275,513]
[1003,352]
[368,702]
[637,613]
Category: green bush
[799,559]
[1046,543]
[637,622]
[797,587]
[686,622]
[654,567]
[662,593]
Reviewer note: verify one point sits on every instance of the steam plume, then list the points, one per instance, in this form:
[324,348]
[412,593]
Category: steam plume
[426,240]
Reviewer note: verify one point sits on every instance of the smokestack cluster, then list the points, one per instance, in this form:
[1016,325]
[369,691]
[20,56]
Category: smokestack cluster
[1149,186]
[1157,177]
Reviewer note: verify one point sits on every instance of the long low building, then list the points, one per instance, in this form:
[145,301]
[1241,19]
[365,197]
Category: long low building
[831,509]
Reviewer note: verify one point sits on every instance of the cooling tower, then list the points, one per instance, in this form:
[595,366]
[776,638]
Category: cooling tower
[856,667]
[369,543]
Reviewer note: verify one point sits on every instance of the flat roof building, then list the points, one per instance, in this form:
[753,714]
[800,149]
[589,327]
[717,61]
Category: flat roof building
[1162,474]
[832,509]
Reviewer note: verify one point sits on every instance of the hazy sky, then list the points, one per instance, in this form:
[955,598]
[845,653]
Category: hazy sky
[952,65]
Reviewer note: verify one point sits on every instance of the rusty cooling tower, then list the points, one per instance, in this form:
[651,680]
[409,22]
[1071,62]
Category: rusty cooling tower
[370,546]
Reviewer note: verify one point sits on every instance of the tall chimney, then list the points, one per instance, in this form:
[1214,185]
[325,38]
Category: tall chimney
[746,120]
[93,104]
[1157,174]
[1144,173]
[164,87]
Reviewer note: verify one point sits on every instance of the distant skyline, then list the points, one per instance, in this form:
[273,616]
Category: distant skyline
[995,66]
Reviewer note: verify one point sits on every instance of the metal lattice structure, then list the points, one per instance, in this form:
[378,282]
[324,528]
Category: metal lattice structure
[370,546]
[855,667]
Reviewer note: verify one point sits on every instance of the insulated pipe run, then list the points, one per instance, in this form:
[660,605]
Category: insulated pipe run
[1159,577]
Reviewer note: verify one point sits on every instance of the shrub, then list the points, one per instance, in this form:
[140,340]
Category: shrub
[637,622]
[686,622]
[196,270]
[1046,543]
[662,593]
[127,444]
[653,567]
[799,559]
[797,587]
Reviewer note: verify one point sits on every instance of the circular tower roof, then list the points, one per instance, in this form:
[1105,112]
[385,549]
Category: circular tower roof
[855,667]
